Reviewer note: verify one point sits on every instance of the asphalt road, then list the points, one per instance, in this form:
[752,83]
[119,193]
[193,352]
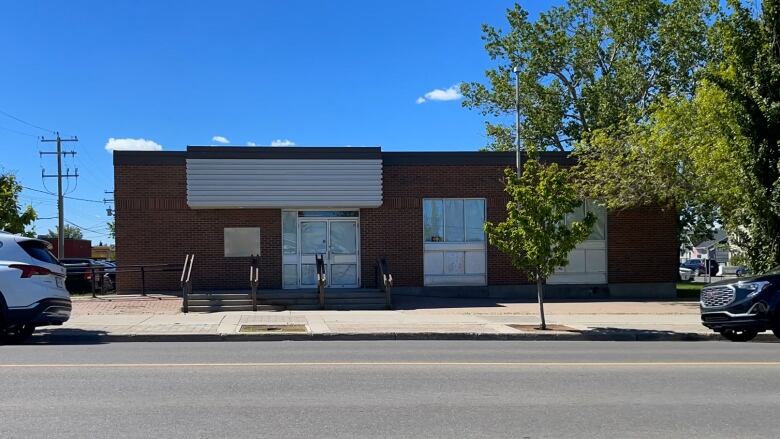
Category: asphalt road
[401,389]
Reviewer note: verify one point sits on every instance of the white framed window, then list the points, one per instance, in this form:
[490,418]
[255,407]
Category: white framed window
[598,233]
[588,261]
[453,220]
[454,247]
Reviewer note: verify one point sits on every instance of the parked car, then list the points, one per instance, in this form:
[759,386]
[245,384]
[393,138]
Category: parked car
[691,264]
[111,271]
[32,286]
[742,271]
[80,272]
[699,266]
[685,274]
[740,309]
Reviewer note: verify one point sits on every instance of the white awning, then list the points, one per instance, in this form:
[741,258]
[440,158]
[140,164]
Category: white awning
[281,183]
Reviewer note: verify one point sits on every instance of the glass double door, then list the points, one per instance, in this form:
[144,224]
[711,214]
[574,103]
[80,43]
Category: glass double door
[337,241]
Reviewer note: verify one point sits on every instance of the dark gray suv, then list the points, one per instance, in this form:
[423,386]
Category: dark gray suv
[740,309]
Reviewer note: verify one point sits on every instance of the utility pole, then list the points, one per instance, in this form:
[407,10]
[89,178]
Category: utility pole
[518,159]
[60,200]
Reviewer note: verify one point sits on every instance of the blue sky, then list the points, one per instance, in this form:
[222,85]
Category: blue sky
[313,73]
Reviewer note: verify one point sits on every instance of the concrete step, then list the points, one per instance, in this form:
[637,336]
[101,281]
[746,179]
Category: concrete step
[221,295]
[354,295]
[355,306]
[346,300]
[306,299]
[280,302]
[225,305]
[218,308]
[220,302]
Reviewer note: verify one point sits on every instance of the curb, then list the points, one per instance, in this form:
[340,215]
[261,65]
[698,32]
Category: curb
[67,337]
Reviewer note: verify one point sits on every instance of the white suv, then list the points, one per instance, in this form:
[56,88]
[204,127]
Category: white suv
[32,286]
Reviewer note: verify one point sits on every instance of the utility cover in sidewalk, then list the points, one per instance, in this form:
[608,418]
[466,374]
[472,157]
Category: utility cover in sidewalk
[273,328]
[549,328]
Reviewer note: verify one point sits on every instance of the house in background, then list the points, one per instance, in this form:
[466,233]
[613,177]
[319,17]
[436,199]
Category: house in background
[718,246]
[422,211]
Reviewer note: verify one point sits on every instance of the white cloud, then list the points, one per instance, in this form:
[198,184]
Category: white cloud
[128,144]
[280,142]
[220,139]
[250,143]
[450,94]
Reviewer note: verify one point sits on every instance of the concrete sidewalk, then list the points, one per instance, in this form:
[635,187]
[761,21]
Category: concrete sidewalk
[158,318]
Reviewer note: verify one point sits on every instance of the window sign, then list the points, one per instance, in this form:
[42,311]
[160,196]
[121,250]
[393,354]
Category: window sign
[242,241]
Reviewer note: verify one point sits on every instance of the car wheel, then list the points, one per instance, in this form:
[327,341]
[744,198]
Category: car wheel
[18,334]
[739,334]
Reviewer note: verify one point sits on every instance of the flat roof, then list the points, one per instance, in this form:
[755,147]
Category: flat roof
[389,158]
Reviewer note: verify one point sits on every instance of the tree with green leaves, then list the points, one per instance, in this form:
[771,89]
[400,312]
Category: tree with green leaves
[716,151]
[746,68]
[536,234]
[587,65]
[111,229]
[14,218]
[684,156]
[71,232]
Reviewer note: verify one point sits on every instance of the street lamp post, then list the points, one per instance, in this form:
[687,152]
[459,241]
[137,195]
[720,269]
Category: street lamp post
[518,160]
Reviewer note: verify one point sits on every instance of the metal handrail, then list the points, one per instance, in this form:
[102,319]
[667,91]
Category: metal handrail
[385,280]
[321,280]
[254,279]
[186,282]
[95,269]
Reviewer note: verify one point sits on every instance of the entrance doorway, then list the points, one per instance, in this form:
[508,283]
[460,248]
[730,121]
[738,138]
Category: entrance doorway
[335,237]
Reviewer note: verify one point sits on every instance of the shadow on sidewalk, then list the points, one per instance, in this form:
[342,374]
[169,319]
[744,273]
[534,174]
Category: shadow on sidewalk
[401,302]
[628,334]
[67,336]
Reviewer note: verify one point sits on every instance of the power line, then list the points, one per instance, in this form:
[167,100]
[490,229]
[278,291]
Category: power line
[21,133]
[64,196]
[27,123]
[38,190]
[96,232]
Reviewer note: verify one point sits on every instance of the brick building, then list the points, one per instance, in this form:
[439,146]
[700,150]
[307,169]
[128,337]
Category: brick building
[422,211]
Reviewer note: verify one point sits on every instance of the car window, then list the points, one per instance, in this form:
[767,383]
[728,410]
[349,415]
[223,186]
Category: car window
[39,251]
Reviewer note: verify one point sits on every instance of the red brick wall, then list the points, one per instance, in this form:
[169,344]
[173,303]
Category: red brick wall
[395,230]
[642,246]
[154,225]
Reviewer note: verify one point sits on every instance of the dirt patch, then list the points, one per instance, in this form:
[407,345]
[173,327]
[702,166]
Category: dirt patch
[272,328]
[561,328]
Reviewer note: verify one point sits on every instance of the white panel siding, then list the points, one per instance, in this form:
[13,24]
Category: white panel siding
[279,183]
[587,265]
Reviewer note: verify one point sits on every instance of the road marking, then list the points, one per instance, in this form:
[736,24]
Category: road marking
[401,363]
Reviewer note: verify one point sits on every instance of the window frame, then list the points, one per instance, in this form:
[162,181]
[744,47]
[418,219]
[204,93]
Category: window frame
[464,216]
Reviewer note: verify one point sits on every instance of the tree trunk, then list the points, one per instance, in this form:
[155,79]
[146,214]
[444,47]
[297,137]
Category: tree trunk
[540,295]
